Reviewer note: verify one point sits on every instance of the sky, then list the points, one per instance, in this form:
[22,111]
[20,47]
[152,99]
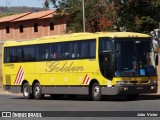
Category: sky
[28,3]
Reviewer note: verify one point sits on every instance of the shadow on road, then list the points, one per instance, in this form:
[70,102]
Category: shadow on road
[104,98]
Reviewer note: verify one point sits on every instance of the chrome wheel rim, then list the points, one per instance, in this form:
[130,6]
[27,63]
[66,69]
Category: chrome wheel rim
[26,91]
[37,91]
[96,91]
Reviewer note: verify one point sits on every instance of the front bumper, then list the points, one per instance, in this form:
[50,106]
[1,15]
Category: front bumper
[128,89]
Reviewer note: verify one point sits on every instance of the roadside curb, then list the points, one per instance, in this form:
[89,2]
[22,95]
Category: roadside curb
[2,92]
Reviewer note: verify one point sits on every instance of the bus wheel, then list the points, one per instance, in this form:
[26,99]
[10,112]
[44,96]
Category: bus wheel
[37,91]
[96,92]
[132,97]
[26,91]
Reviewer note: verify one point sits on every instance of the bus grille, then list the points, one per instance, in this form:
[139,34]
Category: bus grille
[146,81]
[135,82]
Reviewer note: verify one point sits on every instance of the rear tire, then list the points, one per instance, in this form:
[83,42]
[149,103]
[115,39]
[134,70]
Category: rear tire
[37,91]
[96,92]
[26,91]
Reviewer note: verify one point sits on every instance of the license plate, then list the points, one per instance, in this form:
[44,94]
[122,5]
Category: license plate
[139,88]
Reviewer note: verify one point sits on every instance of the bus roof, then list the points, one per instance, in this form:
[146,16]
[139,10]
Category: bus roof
[75,36]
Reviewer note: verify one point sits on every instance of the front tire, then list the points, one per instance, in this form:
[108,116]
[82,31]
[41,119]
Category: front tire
[96,92]
[37,91]
[26,91]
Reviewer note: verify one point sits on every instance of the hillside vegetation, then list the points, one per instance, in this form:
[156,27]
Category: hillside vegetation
[6,11]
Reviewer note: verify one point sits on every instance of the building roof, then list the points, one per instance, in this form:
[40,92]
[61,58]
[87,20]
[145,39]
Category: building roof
[13,17]
[28,16]
[47,16]
[37,15]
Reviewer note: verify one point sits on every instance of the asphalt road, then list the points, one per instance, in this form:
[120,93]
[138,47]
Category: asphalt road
[80,103]
[16,102]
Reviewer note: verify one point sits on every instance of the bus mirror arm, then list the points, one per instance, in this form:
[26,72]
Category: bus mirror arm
[156,60]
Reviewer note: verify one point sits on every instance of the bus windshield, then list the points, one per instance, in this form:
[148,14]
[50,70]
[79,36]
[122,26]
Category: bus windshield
[134,57]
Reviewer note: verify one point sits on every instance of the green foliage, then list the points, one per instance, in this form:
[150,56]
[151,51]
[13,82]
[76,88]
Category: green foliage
[139,16]
[5,14]
[94,11]
[7,11]
[131,15]
[46,4]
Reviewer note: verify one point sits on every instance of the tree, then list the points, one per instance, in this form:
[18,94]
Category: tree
[98,14]
[46,3]
[130,15]
[139,15]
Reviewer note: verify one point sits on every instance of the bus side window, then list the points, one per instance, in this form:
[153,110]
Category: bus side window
[29,53]
[87,49]
[43,52]
[55,55]
[7,55]
[92,49]
[84,49]
[74,49]
[73,55]
[16,54]
[46,55]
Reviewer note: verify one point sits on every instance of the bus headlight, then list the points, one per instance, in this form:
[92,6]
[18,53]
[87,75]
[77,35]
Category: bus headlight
[122,82]
[153,81]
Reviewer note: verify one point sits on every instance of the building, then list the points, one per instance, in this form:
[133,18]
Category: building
[27,26]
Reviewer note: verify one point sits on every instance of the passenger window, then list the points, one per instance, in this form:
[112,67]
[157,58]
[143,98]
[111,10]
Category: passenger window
[43,52]
[84,49]
[29,53]
[92,49]
[88,49]
[65,50]
[16,54]
[74,50]
[54,51]
[6,55]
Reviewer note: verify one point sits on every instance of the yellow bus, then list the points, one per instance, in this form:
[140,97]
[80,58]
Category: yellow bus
[95,64]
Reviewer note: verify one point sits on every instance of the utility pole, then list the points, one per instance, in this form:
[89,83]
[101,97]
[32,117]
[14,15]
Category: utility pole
[84,26]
